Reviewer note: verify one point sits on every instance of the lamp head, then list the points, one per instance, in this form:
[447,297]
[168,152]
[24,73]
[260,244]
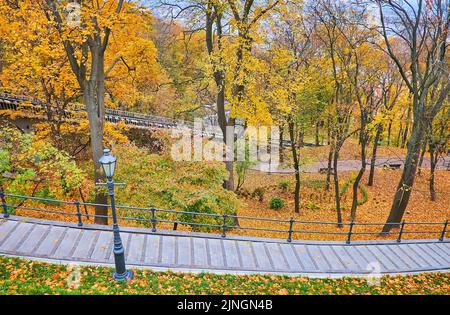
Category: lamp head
[108,163]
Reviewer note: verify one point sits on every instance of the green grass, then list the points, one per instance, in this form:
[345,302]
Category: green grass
[18,276]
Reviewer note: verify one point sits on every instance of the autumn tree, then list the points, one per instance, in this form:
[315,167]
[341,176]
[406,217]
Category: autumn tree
[422,28]
[363,73]
[438,139]
[36,63]
[390,90]
[296,84]
[229,60]
[185,90]
[331,27]
[100,52]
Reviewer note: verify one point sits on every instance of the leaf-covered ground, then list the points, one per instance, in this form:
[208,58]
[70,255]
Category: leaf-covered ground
[18,276]
[317,204]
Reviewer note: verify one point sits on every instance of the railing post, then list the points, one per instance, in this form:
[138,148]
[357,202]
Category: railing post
[399,239]
[153,219]
[4,206]
[77,204]
[350,232]
[291,223]
[224,226]
[444,230]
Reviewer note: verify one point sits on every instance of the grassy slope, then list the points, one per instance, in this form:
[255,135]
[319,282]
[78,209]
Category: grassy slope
[19,276]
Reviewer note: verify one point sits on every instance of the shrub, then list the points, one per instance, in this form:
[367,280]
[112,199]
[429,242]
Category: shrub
[362,189]
[31,166]
[244,192]
[259,193]
[284,185]
[312,206]
[159,181]
[276,203]
[243,166]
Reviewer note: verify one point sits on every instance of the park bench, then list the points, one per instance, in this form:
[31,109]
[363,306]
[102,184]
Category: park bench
[393,166]
[324,170]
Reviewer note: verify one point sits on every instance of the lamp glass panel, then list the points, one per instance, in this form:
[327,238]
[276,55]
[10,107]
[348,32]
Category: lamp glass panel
[108,168]
[112,167]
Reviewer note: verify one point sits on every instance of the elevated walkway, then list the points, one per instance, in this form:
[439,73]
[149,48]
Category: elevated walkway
[61,242]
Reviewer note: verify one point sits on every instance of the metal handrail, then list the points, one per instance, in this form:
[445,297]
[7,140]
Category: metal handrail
[139,120]
[112,115]
[221,225]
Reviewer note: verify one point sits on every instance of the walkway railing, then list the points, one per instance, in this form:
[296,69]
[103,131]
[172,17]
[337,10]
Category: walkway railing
[139,120]
[219,223]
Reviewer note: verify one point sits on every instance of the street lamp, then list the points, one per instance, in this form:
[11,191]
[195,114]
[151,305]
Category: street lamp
[108,163]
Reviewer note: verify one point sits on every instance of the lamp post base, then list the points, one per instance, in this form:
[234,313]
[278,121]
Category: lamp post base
[126,276]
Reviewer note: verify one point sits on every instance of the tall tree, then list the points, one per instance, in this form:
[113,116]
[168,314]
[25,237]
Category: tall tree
[363,74]
[85,45]
[438,140]
[293,84]
[422,28]
[332,20]
[390,90]
[229,59]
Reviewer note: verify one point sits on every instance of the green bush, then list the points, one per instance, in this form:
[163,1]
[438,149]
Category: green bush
[160,182]
[312,206]
[361,187]
[32,166]
[284,185]
[259,193]
[276,203]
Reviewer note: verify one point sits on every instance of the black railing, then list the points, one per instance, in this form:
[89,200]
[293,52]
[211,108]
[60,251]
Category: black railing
[13,102]
[224,223]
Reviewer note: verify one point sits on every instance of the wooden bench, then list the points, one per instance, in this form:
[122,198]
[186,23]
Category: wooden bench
[324,170]
[393,166]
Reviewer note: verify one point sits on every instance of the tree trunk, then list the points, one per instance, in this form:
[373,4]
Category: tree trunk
[229,183]
[405,133]
[281,144]
[214,17]
[296,167]
[317,134]
[223,123]
[433,160]
[358,177]
[93,96]
[374,155]
[330,161]
[328,132]
[301,138]
[422,155]
[389,133]
[399,135]
[404,187]
[336,187]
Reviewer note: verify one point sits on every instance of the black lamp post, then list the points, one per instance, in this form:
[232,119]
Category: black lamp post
[108,163]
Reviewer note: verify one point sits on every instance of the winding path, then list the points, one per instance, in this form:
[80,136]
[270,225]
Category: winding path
[347,165]
[61,242]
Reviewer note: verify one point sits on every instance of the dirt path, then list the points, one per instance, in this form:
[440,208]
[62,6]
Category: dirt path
[345,165]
